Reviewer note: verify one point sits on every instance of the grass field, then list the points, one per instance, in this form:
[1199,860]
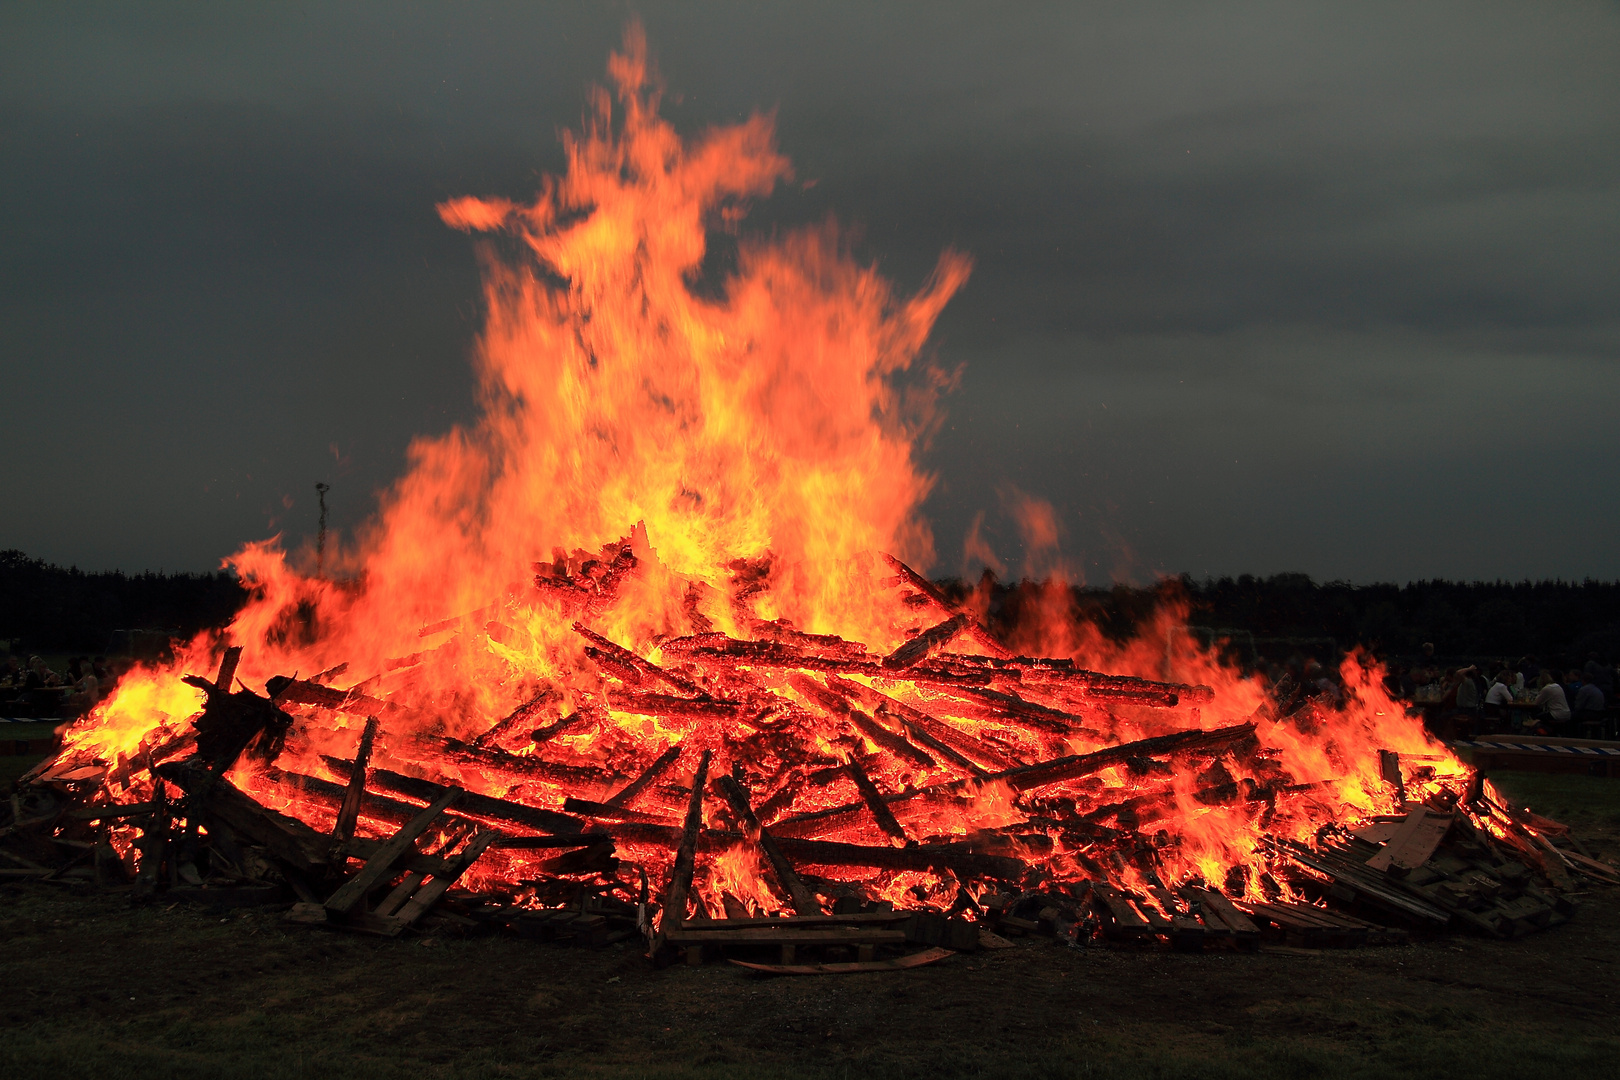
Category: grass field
[91,986]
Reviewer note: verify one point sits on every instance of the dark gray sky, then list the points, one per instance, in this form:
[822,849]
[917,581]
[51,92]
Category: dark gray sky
[1330,288]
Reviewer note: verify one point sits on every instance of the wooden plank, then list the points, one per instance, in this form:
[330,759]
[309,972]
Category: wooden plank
[785,935]
[227,668]
[859,918]
[380,865]
[899,963]
[680,880]
[1239,923]
[429,894]
[804,902]
[1029,777]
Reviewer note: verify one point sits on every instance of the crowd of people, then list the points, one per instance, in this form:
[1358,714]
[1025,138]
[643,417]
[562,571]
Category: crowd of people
[1562,699]
[32,689]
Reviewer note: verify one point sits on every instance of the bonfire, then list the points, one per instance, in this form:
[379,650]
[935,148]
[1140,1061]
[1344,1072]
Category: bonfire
[650,639]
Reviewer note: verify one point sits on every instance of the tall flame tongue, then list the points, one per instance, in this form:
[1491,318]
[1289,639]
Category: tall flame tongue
[754,439]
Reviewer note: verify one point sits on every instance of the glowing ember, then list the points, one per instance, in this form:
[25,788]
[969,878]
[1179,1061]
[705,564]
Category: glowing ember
[752,445]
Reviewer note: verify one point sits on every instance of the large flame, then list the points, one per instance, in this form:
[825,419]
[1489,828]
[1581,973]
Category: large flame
[753,439]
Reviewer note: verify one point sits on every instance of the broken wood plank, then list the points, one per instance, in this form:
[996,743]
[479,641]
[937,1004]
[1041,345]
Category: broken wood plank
[429,894]
[1414,841]
[227,668]
[288,839]
[380,865]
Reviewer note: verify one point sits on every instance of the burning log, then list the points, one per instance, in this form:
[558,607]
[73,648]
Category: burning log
[1028,777]
[518,718]
[487,807]
[602,650]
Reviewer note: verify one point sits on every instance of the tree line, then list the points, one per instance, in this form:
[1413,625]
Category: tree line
[51,608]
[48,608]
[1271,617]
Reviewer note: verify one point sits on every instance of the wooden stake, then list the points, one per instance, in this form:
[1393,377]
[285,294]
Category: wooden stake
[680,881]
[804,902]
[350,811]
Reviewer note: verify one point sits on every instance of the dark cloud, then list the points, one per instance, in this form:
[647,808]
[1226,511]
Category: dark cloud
[1257,288]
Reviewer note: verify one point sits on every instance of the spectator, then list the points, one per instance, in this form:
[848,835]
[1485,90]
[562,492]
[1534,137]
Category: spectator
[1552,707]
[1501,691]
[86,692]
[1498,698]
[1588,707]
[1601,674]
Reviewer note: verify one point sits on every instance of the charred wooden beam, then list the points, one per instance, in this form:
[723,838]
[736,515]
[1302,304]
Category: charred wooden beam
[471,804]
[625,795]
[838,705]
[804,902]
[927,643]
[350,701]
[874,802]
[954,857]
[647,704]
[916,581]
[287,838]
[1028,777]
[646,669]
[680,881]
[485,758]
[227,668]
[585,714]
[599,811]
[964,744]
[520,717]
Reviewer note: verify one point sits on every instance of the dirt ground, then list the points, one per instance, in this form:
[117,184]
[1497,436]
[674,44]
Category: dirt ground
[91,986]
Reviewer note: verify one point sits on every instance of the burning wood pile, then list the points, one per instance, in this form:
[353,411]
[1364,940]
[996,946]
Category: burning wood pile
[763,740]
[817,798]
